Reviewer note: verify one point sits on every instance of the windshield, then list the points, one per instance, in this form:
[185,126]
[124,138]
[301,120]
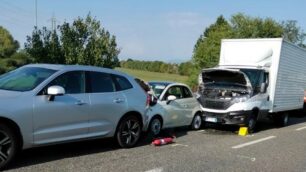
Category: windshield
[157,88]
[24,79]
[255,76]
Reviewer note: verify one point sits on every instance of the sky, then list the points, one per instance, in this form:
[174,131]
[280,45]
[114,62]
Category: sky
[165,30]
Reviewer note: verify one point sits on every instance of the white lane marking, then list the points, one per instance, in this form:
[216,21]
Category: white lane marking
[177,144]
[302,128]
[246,157]
[156,170]
[253,142]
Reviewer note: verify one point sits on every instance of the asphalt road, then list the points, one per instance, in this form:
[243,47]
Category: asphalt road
[217,148]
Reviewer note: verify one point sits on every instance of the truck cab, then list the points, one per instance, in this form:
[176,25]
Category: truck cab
[234,95]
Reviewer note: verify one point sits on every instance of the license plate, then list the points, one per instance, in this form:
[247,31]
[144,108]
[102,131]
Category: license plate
[210,119]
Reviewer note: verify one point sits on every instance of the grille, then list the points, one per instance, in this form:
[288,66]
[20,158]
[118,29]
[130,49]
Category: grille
[216,104]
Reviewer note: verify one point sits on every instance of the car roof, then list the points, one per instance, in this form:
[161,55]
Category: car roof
[168,83]
[60,67]
[161,82]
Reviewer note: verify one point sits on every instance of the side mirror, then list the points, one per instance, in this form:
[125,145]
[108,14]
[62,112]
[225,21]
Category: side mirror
[55,91]
[263,87]
[170,98]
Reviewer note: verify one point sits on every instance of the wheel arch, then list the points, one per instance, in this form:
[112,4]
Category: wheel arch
[14,126]
[135,113]
[158,116]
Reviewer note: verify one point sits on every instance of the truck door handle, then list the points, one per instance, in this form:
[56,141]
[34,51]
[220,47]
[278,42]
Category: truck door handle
[118,100]
[185,106]
[80,103]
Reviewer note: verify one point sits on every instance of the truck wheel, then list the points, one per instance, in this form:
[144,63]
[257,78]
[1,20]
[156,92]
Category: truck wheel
[251,124]
[8,145]
[282,120]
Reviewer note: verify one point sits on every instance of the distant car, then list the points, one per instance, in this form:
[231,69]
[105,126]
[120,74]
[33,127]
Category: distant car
[175,106]
[45,104]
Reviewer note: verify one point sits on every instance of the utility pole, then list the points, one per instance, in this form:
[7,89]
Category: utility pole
[36,13]
[53,22]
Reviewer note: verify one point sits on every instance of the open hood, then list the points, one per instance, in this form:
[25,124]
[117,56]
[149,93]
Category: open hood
[226,76]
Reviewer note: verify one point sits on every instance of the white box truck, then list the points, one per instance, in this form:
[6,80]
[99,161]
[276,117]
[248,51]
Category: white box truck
[255,78]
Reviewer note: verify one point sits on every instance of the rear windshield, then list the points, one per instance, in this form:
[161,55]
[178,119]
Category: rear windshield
[24,79]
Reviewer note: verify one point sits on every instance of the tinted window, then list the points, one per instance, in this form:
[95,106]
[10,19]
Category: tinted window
[101,82]
[186,92]
[24,79]
[123,83]
[72,82]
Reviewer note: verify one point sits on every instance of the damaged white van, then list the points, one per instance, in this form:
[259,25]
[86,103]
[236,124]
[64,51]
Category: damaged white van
[255,78]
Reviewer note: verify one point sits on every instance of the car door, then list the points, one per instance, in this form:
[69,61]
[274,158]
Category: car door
[108,104]
[66,117]
[174,109]
[190,105]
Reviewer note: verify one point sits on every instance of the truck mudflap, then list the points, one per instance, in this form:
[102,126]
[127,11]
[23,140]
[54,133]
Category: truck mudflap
[230,118]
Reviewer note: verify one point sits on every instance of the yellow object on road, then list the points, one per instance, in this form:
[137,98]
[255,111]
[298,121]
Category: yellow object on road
[243,131]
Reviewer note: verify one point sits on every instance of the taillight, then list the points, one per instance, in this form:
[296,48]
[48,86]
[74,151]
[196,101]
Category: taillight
[148,100]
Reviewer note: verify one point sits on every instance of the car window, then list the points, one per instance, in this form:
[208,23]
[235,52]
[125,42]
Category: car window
[186,92]
[72,82]
[174,91]
[123,83]
[24,79]
[100,82]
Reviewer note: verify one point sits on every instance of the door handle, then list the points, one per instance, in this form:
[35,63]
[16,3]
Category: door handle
[118,100]
[80,103]
[185,106]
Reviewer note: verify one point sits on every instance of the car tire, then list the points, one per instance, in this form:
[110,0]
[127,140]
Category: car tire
[129,131]
[8,145]
[197,122]
[281,120]
[155,126]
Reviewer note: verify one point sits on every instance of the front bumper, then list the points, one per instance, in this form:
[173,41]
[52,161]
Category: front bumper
[230,118]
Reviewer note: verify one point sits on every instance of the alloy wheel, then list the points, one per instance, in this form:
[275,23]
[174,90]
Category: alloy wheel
[130,132]
[5,147]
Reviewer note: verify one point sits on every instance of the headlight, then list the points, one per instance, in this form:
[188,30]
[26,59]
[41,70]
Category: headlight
[200,80]
[240,99]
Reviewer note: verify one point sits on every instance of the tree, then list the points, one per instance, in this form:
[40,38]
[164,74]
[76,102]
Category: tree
[207,49]
[83,42]
[44,46]
[8,46]
[293,33]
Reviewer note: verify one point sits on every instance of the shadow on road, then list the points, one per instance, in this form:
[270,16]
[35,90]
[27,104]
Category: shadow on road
[69,150]
[296,117]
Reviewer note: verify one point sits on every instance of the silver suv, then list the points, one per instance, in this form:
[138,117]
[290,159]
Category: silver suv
[44,104]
